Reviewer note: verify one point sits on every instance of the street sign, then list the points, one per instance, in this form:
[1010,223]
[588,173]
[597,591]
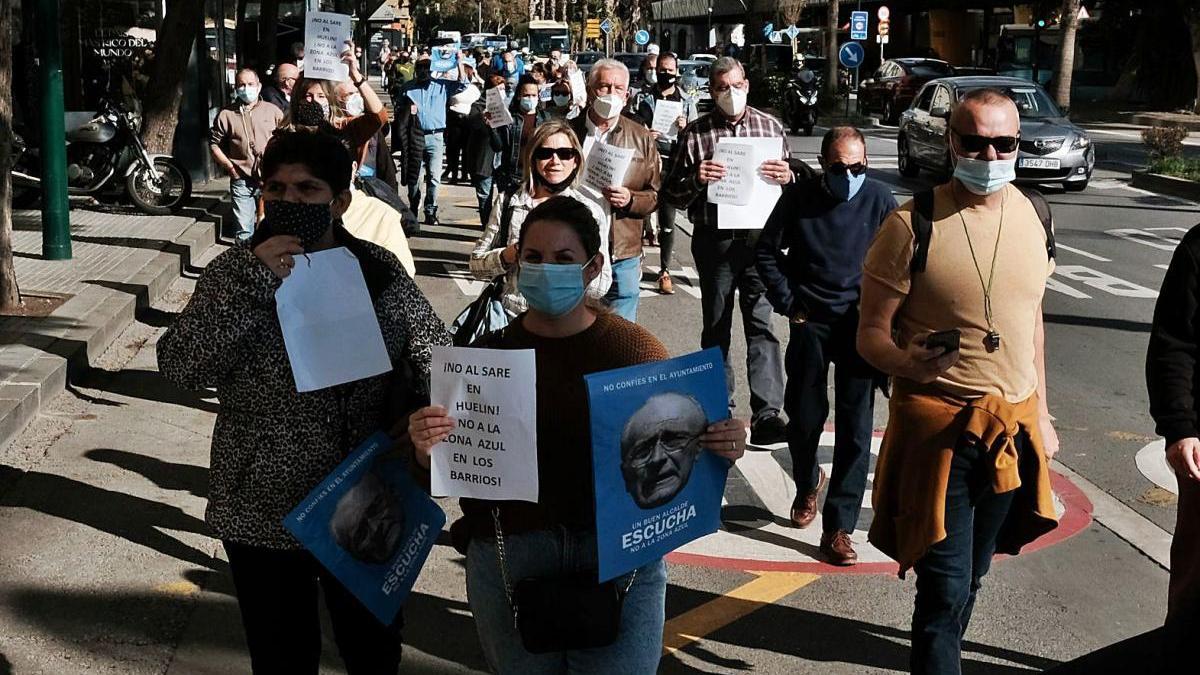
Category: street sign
[606,26]
[593,29]
[858,25]
[881,39]
[883,13]
[768,29]
[884,27]
[641,37]
[792,32]
[776,36]
[851,54]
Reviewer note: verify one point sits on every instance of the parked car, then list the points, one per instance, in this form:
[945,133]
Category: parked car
[975,71]
[693,79]
[702,56]
[585,60]
[1052,148]
[892,87]
[633,61]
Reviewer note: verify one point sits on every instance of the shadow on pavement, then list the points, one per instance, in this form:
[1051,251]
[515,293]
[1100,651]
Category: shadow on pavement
[821,638]
[1098,322]
[166,475]
[148,385]
[137,520]
[5,665]
[1137,654]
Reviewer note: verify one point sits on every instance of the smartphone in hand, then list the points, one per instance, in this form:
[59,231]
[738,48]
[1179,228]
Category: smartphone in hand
[947,339]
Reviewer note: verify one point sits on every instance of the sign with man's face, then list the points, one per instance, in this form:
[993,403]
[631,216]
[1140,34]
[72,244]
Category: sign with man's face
[656,487]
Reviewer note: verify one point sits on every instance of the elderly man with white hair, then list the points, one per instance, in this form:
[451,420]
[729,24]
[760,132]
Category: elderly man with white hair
[633,198]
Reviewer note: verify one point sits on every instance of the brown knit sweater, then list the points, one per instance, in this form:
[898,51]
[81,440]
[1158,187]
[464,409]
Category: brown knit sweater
[563,425]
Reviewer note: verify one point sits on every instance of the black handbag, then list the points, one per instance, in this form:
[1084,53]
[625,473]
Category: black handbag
[486,313]
[559,614]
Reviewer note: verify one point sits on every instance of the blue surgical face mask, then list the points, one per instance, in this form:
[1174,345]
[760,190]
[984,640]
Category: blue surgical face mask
[983,177]
[528,104]
[844,186]
[561,100]
[551,289]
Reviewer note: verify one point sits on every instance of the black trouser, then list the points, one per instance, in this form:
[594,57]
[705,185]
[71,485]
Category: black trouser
[277,594]
[813,346]
[666,229]
[725,263]
[456,141]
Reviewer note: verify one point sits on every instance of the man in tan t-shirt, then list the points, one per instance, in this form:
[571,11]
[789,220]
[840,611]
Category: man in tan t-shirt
[986,270]
[237,141]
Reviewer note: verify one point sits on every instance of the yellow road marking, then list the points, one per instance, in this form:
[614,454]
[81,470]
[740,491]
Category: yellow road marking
[181,588]
[717,613]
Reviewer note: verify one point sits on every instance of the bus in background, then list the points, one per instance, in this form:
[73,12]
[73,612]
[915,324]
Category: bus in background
[483,39]
[542,36]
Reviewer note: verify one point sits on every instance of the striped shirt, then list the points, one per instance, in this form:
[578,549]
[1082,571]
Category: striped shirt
[697,143]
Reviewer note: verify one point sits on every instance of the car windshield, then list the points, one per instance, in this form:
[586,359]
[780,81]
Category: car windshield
[1032,102]
[632,61]
[930,69]
[587,58]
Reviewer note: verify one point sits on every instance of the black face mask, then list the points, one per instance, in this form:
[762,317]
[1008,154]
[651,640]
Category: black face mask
[667,80]
[306,222]
[309,114]
[556,187]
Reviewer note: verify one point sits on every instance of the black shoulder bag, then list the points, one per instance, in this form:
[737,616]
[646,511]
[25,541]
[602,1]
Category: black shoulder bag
[559,614]
[477,319]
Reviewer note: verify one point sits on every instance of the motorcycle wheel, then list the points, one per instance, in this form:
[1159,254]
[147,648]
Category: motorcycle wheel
[162,191]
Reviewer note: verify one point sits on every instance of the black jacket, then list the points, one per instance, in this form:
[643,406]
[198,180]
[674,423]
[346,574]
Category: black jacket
[508,175]
[272,95]
[481,146]
[409,141]
[1171,374]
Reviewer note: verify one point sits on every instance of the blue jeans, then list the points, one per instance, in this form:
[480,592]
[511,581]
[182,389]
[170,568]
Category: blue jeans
[626,287]
[244,193]
[949,574]
[814,345]
[431,163]
[556,553]
[483,193]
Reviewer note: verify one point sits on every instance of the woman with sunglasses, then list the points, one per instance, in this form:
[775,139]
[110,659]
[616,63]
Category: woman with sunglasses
[555,539]
[551,164]
[826,224]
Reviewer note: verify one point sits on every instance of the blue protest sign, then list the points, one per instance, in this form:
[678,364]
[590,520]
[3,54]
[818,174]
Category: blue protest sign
[851,54]
[444,58]
[642,37]
[656,489]
[371,526]
[858,25]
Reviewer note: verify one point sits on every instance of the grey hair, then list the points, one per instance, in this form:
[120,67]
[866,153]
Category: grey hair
[605,64]
[725,64]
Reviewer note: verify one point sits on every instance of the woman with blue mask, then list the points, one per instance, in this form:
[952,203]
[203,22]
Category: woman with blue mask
[527,116]
[551,165]
[560,251]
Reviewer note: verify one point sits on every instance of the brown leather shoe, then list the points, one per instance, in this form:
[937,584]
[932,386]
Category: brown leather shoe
[838,549]
[665,285]
[804,509]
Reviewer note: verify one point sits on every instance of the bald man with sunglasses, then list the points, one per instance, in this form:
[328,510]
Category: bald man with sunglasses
[825,224]
[952,309]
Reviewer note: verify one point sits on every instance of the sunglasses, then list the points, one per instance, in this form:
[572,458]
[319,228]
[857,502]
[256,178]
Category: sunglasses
[564,154]
[856,169]
[974,143]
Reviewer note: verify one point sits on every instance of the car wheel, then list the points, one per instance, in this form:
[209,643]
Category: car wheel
[908,168]
[889,114]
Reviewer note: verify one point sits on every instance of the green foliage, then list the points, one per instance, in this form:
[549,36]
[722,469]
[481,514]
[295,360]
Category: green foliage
[766,89]
[1187,168]
[1165,142]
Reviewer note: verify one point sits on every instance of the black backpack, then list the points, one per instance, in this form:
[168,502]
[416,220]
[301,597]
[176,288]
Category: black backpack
[922,224]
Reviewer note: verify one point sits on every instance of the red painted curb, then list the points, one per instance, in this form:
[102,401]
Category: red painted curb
[1077,515]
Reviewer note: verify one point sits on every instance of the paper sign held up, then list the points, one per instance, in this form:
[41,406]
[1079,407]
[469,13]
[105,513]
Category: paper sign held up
[752,214]
[666,113]
[498,113]
[735,188]
[606,166]
[325,38]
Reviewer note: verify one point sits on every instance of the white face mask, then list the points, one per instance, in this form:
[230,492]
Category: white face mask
[355,105]
[732,102]
[608,107]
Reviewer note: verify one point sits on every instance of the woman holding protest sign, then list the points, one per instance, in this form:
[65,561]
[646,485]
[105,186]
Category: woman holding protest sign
[551,164]
[520,550]
[273,444]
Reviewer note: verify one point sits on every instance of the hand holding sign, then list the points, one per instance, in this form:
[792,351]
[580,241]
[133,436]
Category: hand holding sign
[738,180]
[666,117]
[325,37]
[497,114]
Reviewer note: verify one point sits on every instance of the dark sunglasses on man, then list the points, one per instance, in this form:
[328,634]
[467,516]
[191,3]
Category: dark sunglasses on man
[564,154]
[839,169]
[974,143]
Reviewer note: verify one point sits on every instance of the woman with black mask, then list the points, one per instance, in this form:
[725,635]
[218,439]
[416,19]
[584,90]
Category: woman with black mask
[551,164]
[272,444]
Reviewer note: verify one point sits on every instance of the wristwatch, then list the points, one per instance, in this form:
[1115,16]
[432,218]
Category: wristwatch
[360,83]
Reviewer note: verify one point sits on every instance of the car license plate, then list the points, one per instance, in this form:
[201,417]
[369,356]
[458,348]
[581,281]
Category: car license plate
[1038,163]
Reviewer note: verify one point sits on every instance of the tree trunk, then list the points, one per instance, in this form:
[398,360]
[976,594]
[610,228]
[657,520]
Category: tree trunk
[268,27]
[1066,61]
[10,295]
[184,20]
[831,50]
[1193,19]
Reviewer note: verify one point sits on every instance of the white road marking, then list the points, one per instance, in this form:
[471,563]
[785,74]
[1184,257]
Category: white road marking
[1104,282]
[1085,254]
[1053,284]
[469,285]
[1163,267]
[1145,237]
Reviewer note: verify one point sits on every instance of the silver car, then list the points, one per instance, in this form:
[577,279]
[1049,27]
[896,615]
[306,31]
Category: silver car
[1052,148]
[693,79]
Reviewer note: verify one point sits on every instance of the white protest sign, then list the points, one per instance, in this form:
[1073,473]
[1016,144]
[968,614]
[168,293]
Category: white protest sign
[666,113]
[606,166]
[738,183]
[578,88]
[325,38]
[329,325]
[497,110]
[492,396]
[763,194]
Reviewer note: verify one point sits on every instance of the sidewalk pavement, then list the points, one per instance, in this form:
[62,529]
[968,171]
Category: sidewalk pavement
[122,260]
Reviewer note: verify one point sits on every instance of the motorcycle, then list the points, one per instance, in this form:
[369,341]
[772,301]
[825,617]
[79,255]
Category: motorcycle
[801,99]
[106,157]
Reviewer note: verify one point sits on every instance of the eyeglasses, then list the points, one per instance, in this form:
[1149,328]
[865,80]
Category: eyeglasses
[856,169]
[564,154]
[975,143]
